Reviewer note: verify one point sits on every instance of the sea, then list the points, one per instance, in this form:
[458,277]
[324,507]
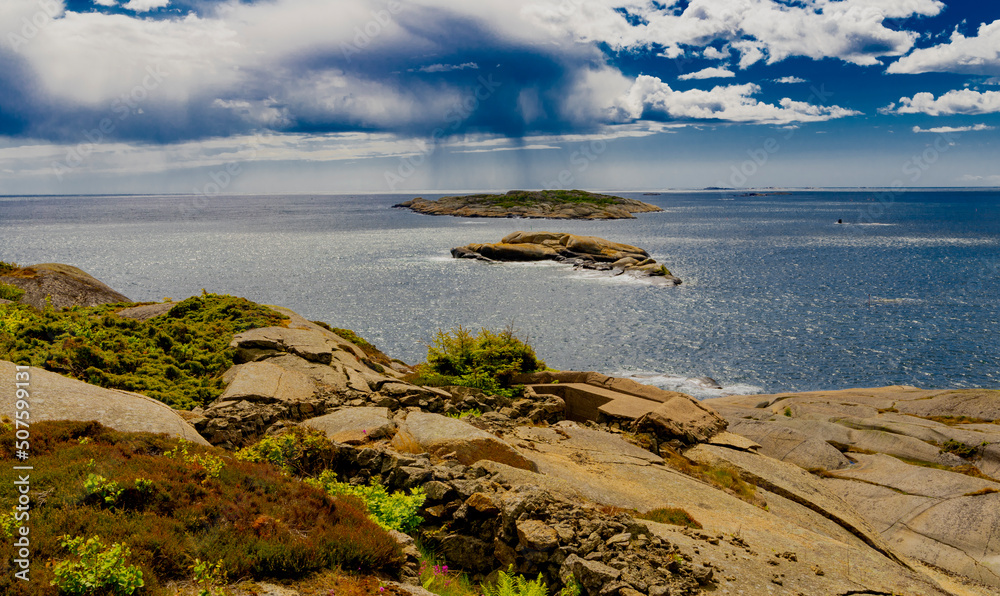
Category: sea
[777,296]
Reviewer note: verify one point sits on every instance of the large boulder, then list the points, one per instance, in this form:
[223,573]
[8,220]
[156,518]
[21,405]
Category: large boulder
[65,286]
[442,436]
[263,382]
[669,415]
[55,397]
[354,425]
[681,419]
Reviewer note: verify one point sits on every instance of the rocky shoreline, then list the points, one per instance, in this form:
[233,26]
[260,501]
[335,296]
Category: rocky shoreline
[582,252]
[844,492]
[544,204]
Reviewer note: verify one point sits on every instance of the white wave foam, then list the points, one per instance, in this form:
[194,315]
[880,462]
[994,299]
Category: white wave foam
[699,387]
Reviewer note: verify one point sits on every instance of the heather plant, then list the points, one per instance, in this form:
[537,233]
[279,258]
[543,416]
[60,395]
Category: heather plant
[437,578]
[177,358]
[259,522]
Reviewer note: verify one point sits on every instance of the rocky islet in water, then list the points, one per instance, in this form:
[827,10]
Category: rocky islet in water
[584,252]
[543,204]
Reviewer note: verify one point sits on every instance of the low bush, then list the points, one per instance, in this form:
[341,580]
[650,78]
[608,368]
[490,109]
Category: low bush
[395,511]
[671,515]
[9,292]
[254,519]
[486,361]
[97,569]
[297,451]
[6,267]
[177,358]
[960,449]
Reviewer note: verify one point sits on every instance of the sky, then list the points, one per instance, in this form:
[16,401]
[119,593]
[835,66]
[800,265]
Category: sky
[400,96]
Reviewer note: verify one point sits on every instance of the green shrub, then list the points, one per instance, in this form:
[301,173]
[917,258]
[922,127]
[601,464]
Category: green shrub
[6,267]
[396,511]
[671,515]
[960,449]
[98,569]
[298,451]
[208,577]
[487,361]
[98,485]
[473,413]
[177,358]
[515,585]
[9,292]
[210,465]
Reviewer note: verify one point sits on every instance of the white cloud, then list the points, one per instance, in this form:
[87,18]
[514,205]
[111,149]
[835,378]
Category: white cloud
[850,30]
[708,73]
[650,97]
[991,180]
[106,2]
[961,101]
[715,54]
[974,55]
[447,67]
[950,129]
[145,5]
[790,80]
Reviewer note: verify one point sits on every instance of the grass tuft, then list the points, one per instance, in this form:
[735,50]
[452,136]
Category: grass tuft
[671,515]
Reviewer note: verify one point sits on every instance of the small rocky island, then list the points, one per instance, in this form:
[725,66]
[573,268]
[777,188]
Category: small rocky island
[584,252]
[545,204]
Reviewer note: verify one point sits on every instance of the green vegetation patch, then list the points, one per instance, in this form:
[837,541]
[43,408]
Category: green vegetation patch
[960,449]
[487,361]
[671,515]
[10,292]
[6,267]
[177,358]
[298,451]
[167,513]
[530,198]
